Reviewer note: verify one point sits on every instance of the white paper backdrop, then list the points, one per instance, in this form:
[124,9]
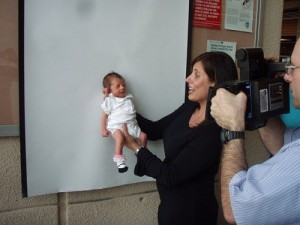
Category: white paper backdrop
[69,45]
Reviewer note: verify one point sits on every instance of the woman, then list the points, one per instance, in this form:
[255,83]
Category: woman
[185,178]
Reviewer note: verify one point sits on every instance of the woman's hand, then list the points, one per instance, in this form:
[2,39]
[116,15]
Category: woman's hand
[129,141]
[105,92]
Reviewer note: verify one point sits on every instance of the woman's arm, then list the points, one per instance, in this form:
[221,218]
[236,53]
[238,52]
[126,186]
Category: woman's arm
[155,129]
[200,156]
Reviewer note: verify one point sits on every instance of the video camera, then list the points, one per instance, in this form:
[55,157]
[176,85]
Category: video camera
[267,93]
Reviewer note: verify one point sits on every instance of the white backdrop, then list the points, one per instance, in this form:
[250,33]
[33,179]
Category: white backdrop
[69,45]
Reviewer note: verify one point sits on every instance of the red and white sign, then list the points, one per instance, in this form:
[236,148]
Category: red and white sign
[207,13]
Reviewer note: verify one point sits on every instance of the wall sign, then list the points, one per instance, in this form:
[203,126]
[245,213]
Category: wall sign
[222,46]
[239,15]
[207,13]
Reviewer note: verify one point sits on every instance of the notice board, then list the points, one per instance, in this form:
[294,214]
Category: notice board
[216,31]
[9,68]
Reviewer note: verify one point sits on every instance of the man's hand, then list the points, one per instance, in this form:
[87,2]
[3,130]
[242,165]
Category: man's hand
[229,110]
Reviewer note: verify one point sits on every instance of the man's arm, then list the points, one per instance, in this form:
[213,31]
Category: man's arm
[229,112]
[272,134]
[233,161]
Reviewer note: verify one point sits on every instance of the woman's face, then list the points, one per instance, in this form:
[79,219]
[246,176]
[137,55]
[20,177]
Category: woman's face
[198,84]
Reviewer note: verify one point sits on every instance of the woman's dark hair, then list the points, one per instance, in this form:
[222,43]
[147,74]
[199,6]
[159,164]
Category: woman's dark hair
[106,79]
[218,66]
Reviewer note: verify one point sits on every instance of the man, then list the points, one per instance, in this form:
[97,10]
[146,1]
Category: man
[268,193]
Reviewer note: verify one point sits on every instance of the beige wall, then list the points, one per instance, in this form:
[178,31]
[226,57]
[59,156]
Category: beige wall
[134,204]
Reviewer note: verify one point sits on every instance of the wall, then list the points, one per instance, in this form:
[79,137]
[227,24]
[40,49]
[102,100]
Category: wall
[134,204]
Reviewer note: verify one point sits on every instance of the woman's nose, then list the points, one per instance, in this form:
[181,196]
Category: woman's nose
[187,79]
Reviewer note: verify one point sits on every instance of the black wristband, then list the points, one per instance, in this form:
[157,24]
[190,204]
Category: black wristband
[227,135]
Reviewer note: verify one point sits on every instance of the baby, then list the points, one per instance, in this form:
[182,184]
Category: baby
[118,108]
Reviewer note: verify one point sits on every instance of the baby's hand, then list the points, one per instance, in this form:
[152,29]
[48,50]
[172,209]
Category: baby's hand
[105,133]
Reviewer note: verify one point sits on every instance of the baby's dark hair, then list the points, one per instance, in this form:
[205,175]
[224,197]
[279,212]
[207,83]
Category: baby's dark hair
[106,79]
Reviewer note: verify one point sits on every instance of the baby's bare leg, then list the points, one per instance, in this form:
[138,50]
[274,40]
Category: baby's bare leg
[119,142]
[143,139]
[119,158]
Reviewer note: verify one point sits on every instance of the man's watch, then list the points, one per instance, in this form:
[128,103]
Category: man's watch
[227,135]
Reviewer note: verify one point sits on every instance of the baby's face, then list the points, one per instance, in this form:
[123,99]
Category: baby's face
[118,87]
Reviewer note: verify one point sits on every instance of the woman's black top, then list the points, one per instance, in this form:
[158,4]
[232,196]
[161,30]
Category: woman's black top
[185,178]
